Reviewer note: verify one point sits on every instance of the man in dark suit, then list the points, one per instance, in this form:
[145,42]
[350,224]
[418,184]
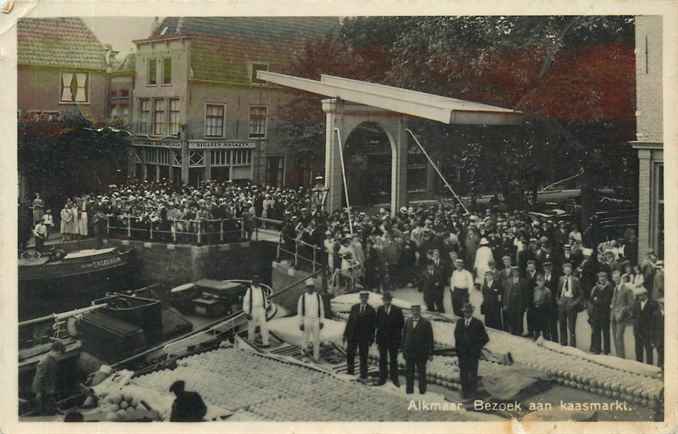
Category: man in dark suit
[569,296]
[599,314]
[432,286]
[417,348]
[470,337]
[531,278]
[390,323]
[647,325]
[491,306]
[514,301]
[359,334]
[551,282]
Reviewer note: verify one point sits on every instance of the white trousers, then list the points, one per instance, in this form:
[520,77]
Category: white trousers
[258,319]
[312,335]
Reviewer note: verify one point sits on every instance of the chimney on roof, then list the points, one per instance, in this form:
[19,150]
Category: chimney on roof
[155,25]
[109,57]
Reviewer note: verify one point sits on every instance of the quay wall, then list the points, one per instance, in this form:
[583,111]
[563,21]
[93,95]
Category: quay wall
[182,263]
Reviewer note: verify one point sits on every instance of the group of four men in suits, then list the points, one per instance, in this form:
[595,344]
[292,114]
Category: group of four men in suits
[414,337]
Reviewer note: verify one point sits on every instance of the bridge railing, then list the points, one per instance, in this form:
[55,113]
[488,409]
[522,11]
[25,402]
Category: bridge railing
[180,231]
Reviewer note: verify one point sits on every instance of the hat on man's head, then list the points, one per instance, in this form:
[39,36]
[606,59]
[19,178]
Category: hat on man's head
[178,386]
[467,307]
[415,306]
[547,264]
[484,242]
[310,282]
[364,294]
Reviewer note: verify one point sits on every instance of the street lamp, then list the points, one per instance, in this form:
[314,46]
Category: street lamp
[319,193]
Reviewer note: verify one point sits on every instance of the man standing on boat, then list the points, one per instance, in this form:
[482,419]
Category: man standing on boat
[359,334]
[40,235]
[254,305]
[311,313]
[45,380]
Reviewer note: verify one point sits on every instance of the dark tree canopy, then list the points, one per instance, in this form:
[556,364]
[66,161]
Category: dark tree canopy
[574,76]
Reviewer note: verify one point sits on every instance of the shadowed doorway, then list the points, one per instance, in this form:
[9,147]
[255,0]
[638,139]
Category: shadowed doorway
[368,161]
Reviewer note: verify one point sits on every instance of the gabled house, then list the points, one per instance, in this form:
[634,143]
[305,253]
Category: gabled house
[199,111]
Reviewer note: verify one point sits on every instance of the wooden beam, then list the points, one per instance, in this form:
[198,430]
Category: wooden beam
[409,102]
[412,95]
[420,110]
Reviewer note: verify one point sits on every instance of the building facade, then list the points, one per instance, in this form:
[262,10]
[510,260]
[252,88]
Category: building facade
[62,70]
[199,112]
[122,89]
[649,135]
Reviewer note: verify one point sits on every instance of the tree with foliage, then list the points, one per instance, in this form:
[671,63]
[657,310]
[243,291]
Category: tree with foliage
[573,77]
[67,157]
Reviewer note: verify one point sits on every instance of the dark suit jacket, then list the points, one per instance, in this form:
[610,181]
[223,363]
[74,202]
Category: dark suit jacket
[390,327]
[189,407]
[648,323]
[360,327]
[515,295]
[600,300]
[417,341]
[432,286]
[491,296]
[469,341]
[576,292]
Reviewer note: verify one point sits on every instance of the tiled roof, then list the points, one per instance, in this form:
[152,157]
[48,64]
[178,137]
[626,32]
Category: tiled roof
[60,42]
[127,64]
[222,47]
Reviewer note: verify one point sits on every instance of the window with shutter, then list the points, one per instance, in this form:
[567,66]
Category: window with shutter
[74,87]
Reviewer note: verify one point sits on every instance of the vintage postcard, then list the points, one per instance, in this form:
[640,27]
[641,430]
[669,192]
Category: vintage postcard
[258,218]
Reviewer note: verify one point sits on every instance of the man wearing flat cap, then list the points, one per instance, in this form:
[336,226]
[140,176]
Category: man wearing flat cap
[469,338]
[417,349]
[359,334]
[390,322]
[599,314]
[311,313]
[569,295]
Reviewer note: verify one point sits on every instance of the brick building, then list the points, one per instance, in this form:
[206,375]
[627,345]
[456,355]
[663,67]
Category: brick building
[649,138]
[122,89]
[199,111]
[62,68]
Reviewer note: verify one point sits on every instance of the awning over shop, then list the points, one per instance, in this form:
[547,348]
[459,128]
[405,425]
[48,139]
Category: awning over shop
[409,102]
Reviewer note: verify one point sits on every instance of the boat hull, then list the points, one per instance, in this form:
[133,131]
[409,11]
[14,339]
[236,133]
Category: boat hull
[69,268]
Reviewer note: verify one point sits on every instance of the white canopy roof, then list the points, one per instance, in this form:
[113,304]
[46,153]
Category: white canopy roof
[409,102]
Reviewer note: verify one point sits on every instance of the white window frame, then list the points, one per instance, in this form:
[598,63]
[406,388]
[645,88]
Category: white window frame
[87,87]
[149,61]
[157,130]
[249,121]
[223,129]
[171,128]
[164,59]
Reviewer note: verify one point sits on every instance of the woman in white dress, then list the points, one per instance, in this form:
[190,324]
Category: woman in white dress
[66,219]
[83,220]
[76,217]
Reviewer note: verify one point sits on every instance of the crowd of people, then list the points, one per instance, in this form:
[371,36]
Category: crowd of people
[172,212]
[536,274]
[531,269]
